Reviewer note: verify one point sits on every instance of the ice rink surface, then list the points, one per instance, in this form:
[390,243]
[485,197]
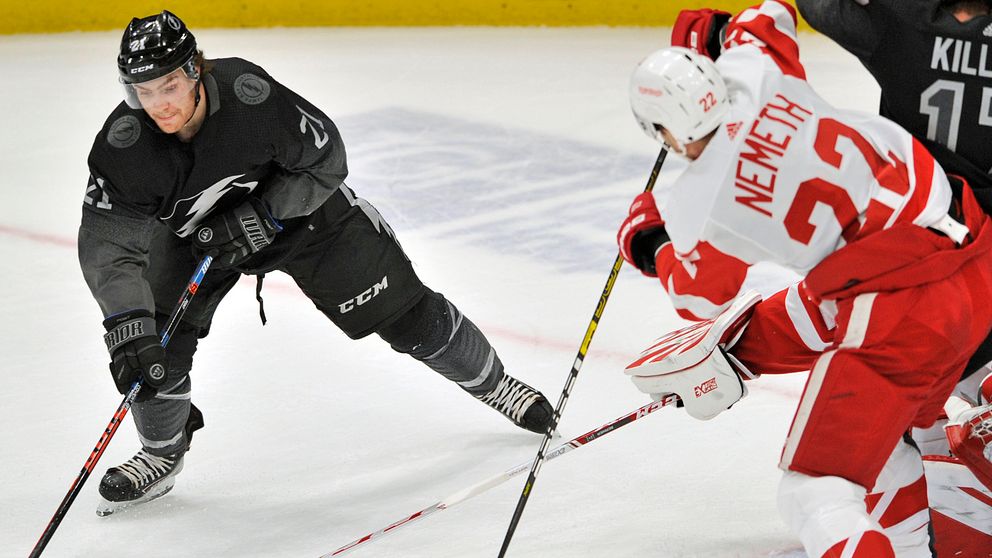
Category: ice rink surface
[504,159]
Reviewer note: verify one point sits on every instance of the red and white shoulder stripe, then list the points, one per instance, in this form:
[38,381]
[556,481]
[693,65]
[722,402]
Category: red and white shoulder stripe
[701,283]
[770,27]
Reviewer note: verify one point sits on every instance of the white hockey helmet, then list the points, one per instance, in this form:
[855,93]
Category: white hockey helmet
[680,90]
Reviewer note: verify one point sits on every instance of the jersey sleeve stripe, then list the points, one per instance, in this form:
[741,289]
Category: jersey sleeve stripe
[813,333]
[924,177]
[694,307]
[771,27]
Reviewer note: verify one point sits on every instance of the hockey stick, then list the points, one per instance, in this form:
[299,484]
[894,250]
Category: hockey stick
[506,475]
[576,366]
[122,409]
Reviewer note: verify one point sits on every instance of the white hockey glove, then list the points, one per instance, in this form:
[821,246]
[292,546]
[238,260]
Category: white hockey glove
[693,363]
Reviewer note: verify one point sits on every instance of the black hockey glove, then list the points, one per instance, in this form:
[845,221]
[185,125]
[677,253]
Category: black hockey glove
[644,246]
[233,237]
[136,352]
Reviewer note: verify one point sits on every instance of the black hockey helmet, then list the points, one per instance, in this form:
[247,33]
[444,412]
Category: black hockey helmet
[155,46]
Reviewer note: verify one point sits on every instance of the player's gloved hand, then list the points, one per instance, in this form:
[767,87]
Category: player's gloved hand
[701,31]
[135,352]
[969,433]
[233,237]
[641,234]
[695,362]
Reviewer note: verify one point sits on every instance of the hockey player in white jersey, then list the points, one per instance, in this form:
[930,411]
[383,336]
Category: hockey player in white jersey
[898,275]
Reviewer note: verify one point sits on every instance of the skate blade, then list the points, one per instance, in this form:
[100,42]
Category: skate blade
[106,507]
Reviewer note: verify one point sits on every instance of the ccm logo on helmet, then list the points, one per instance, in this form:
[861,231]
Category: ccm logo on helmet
[142,68]
[649,91]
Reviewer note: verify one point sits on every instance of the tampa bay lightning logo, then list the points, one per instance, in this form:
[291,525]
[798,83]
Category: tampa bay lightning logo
[195,208]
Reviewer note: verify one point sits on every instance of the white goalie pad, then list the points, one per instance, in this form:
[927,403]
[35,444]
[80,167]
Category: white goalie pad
[706,390]
[959,508]
[691,363]
[686,347]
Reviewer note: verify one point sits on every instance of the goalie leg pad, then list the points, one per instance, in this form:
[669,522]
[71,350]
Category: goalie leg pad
[898,501]
[961,508]
[828,515]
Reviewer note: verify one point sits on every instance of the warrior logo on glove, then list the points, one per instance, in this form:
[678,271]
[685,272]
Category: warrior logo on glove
[136,352]
[156,372]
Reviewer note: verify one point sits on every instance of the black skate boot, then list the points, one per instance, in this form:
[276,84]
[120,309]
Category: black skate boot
[520,403]
[145,477]
[140,479]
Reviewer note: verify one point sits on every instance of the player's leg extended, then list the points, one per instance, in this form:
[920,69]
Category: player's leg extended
[436,333]
[357,274]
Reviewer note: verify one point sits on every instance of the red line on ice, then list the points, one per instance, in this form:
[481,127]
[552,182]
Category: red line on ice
[504,333]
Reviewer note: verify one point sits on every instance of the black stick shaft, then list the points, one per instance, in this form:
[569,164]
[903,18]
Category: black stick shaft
[583,349]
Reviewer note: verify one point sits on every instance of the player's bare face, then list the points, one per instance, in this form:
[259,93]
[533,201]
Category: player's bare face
[690,151]
[966,10]
[169,100]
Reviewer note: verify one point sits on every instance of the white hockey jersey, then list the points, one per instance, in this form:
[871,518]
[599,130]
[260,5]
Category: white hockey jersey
[787,178]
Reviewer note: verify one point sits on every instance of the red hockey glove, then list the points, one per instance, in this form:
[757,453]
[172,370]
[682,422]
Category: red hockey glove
[969,433]
[971,442]
[700,31]
[641,234]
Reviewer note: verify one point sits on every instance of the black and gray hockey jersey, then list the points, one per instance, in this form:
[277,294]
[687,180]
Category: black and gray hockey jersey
[259,138]
[935,73]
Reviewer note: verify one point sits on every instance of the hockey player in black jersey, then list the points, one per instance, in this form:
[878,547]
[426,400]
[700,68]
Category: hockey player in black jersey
[216,157]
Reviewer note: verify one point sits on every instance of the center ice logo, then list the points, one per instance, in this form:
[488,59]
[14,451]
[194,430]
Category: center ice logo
[483,185]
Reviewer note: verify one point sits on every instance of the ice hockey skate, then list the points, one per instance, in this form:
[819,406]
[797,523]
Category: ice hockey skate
[520,403]
[139,480]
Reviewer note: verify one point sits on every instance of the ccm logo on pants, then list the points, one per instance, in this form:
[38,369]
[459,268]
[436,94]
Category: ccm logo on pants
[367,295]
